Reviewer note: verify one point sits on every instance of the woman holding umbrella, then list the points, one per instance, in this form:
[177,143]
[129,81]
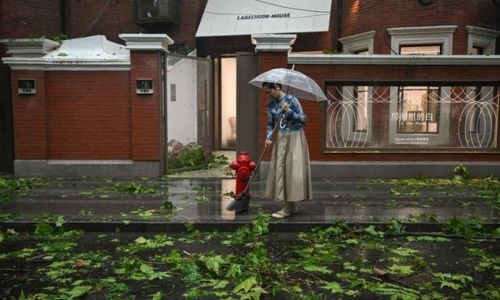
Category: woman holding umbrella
[289,177]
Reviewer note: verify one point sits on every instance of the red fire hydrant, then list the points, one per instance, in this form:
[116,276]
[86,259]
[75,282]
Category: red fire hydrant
[244,167]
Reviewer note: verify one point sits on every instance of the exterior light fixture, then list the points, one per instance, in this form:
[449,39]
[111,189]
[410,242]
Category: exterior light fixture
[144,86]
[26,87]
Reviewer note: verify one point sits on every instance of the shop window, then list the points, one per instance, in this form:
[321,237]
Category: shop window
[402,117]
[418,110]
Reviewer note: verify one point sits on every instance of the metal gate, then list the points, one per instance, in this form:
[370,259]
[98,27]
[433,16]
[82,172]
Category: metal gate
[186,108]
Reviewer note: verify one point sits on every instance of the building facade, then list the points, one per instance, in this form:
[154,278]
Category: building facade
[413,86]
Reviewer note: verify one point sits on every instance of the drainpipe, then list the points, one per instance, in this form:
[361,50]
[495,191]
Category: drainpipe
[62,16]
[339,22]
[163,114]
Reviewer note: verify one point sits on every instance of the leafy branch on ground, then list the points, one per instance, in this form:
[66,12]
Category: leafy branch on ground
[339,261]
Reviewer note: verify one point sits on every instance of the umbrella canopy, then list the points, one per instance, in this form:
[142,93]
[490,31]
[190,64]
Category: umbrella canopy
[292,82]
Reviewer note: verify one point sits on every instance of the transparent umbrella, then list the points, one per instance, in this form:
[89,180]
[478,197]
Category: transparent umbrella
[292,82]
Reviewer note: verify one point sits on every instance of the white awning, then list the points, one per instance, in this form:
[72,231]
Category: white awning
[246,17]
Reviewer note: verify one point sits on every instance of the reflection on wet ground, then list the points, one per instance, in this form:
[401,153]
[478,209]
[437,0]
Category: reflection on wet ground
[168,204]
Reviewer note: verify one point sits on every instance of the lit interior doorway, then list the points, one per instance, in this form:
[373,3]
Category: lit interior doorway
[228,103]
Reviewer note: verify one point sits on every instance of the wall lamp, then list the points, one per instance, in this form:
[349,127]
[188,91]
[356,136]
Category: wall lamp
[26,86]
[144,86]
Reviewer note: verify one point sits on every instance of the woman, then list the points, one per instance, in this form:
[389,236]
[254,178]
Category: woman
[289,177]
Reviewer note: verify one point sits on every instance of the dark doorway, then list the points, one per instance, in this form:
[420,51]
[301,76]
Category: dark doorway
[6,122]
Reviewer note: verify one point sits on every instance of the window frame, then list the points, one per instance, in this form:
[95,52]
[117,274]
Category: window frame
[481,38]
[427,35]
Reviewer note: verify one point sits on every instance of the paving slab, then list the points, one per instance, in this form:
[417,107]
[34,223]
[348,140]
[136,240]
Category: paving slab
[169,204]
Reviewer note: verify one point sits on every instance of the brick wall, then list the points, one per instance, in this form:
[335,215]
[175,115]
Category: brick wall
[363,16]
[109,18]
[88,115]
[30,119]
[30,18]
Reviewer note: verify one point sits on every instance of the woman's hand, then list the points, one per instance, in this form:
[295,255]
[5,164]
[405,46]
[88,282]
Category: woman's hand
[268,143]
[285,106]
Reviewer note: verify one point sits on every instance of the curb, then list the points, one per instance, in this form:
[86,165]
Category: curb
[180,227]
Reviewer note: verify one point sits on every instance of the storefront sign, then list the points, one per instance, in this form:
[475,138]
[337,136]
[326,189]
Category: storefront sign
[244,17]
[411,141]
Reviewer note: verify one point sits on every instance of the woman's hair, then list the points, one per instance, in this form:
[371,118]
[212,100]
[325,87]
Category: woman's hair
[271,85]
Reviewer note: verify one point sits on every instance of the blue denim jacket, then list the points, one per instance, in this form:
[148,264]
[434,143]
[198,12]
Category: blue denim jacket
[289,121]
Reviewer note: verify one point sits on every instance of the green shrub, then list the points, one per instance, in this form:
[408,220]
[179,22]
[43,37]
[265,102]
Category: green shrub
[192,155]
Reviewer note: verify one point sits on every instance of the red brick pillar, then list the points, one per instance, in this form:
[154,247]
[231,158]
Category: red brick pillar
[29,105]
[147,63]
[273,52]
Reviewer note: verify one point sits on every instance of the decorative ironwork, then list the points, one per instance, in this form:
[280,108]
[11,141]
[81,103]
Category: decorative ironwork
[411,116]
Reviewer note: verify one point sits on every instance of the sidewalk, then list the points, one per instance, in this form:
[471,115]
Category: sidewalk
[169,204]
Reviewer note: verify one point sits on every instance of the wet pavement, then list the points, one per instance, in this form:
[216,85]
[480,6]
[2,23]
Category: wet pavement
[169,204]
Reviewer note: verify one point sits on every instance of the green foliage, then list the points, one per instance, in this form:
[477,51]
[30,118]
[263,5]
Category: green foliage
[464,227]
[133,187]
[11,187]
[217,160]
[486,260]
[336,262]
[246,235]
[60,37]
[396,227]
[394,291]
[192,155]
[141,243]
[462,173]
[372,230]
[49,225]
[453,281]
[329,51]
[137,269]
[490,190]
